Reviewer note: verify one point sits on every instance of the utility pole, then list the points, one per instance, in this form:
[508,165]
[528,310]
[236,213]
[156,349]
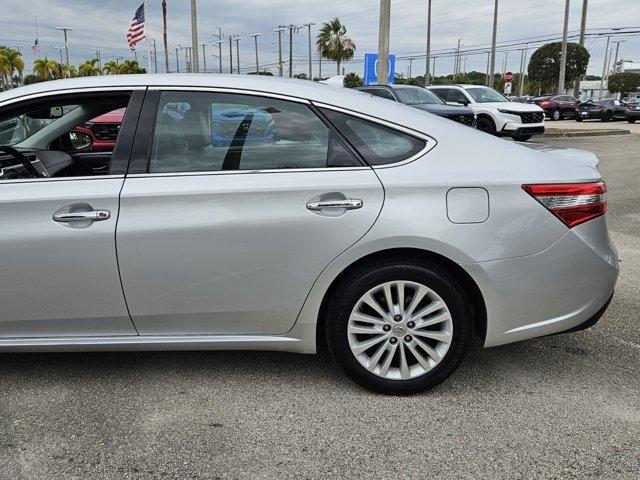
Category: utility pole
[255,42]
[60,49]
[320,67]
[456,61]
[615,61]
[492,67]
[66,43]
[382,70]
[230,53]
[563,55]
[280,29]
[433,69]
[523,62]
[604,66]
[427,60]
[177,59]
[486,81]
[291,28]
[98,50]
[204,57]
[583,27]
[219,44]
[410,67]
[237,39]
[309,25]
[164,35]
[195,65]
[155,56]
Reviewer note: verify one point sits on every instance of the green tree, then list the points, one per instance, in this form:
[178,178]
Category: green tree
[544,66]
[110,67]
[31,78]
[352,80]
[10,62]
[623,82]
[89,68]
[130,66]
[334,44]
[45,69]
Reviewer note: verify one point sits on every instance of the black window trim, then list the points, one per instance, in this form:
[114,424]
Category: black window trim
[141,151]
[430,142]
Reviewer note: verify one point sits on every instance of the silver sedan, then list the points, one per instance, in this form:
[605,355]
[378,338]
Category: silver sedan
[236,212]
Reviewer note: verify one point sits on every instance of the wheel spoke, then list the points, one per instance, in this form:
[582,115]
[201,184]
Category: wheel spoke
[369,300]
[387,361]
[430,351]
[440,336]
[389,298]
[417,298]
[365,329]
[360,347]
[404,366]
[400,287]
[364,318]
[419,357]
[441,317]
[373,363]
[432,307]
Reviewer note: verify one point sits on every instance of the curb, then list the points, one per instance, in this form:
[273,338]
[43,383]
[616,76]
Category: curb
[585,133]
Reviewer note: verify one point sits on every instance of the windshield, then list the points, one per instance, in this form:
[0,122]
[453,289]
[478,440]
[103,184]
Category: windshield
[417,95]
[14,130]
[485,95]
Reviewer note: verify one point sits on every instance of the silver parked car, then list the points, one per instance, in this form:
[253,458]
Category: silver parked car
[326,218]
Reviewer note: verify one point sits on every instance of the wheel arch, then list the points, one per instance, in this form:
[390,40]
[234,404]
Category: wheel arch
[468,284]
[490,117]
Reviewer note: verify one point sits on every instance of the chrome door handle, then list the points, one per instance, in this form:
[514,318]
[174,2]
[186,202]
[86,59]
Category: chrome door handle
[347,204]
[93,216]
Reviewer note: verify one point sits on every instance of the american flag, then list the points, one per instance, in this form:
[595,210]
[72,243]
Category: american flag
[136,29]
[36,47]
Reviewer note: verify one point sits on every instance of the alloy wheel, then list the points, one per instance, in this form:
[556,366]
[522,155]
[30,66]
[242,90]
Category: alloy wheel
[400,330]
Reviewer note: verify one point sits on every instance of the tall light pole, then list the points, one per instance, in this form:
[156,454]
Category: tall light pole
[204,57]
[164,35]
[456,61]
[618,42]
[291,29]
[98,50]
[583,27]
[219,44]
[309,25]
[66,43]
[195,65]
[563,55]
[604,66]
[155,57]
[486,80]
[279,30]
[382,70]
[255,43]
[231,53]
[492,67]
[60,49]
[523,66]
[237,39]
[427,60]
[177,59]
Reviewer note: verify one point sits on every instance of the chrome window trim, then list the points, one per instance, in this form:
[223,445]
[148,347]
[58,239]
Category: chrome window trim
[244,172]
[70,91]
[430,141]
[237,91]
[59,179]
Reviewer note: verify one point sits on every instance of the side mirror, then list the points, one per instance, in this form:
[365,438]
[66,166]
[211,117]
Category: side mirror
[463,102]
[80,140]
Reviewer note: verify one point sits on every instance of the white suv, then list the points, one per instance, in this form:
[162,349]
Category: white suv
[496,114]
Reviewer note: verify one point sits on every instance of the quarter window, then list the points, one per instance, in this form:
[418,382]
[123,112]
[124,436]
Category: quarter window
[207,131]
[378,145]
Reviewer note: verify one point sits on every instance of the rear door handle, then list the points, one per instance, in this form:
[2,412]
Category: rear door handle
[93,216]
[346,204]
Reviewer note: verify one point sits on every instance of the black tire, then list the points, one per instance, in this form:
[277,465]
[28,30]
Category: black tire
[521,138]
[556,114]
[607,117]
[485,124]
[631,121]
[578,119]
[362,279]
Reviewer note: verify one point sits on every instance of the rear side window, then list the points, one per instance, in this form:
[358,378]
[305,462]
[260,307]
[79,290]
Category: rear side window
[386,94]
[441,92]
[378,145]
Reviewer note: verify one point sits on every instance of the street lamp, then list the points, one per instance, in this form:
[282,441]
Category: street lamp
[66,43]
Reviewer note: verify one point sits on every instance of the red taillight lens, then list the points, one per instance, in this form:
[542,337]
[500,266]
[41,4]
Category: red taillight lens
[544,104]
[572,203]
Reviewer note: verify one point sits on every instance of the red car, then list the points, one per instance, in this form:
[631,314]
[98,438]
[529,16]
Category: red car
[557,107]
[103,130]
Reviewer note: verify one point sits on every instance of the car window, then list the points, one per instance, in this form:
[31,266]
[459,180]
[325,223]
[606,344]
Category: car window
[440,92]
[616,103]
[207,131]
[485,95]
[384,93]
[417,96]
[457,96]
[378,145]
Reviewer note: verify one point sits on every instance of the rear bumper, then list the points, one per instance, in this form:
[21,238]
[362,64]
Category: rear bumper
[589,114]
[553,291]
[633,115]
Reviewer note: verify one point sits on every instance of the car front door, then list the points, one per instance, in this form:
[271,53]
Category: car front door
[235,209]
[57,232]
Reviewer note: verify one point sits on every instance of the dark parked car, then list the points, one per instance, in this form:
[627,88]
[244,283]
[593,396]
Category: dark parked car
[557,107]
[633,110]
[606,110]
[424,99]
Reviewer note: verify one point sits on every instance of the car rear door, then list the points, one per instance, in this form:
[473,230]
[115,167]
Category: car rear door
[57,236]
[232,207]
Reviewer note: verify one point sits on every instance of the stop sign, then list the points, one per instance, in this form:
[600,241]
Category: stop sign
[508,76]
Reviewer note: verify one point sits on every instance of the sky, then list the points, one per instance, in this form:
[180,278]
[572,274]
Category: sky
[102,24]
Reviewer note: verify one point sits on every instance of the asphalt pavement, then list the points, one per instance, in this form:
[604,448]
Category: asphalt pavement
[558,407]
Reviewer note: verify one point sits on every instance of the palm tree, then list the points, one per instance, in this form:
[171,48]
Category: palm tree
[44,68]
[10,62]
[89,68]
[110,67]
[130,66]
[334,44]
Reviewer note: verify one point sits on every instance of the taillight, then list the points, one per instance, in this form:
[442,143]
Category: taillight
[572,203]
[544,104]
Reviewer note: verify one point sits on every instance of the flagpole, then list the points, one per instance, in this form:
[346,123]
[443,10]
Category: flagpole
[37,36]
[146,35]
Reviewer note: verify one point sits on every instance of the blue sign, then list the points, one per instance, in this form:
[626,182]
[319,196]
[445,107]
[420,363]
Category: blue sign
[370,64]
